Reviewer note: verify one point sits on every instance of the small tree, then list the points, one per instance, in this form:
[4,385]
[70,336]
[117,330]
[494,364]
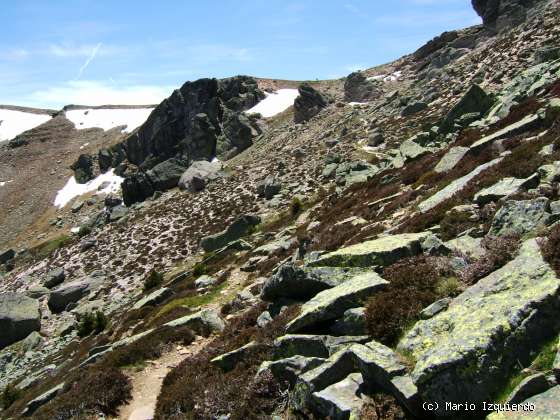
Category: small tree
[154,279]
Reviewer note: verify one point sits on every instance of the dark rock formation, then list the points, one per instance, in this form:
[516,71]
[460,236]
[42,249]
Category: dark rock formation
[308,104]
[435,44]
[83,169]
[136,188]
[501,14]
[188,123]
[358,89]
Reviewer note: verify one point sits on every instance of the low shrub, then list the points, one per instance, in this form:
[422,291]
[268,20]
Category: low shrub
[383,407]
[296,206]
[550,248]
[92,323]
[90,391]
[84,231]
[148,348]
[499,250]
[154,279]
[198,389]
[10,394]
[414,283]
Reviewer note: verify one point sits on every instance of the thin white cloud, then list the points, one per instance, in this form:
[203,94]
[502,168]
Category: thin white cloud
[93,92]
[88,60]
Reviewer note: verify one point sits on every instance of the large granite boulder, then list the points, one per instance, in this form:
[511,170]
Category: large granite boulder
[332,303]
[19,317]
[308,104]
[378,252]
[203,322]
[520,217]
[544,406]
[475,100]
[73,292]
[166,175]
[467,352]
[302,283]
[136,188]
[357,88]
[236,230]
[54,277]
[154,298]
[194,179]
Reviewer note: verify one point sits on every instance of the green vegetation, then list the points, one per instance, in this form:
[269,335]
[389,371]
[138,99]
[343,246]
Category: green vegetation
[192,301]
[46,248]
[543,362]
[84,231]
[154,279]
[92,323]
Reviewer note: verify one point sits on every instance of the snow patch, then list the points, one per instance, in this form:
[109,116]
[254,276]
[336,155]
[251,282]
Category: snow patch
[109,118]
[72,189]
[393,77]
[13,123]
[2,183]
[275,103]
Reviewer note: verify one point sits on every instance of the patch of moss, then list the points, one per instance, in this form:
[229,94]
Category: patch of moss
[192,301]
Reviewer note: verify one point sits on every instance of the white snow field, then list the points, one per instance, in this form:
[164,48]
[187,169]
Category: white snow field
[275,103]
[109,118]
[72,189]
[13,122]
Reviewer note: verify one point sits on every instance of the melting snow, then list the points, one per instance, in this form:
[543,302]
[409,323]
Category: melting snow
[109,118]
[72,189]
[13,123]
[2,183]
[275,102]
[393,77]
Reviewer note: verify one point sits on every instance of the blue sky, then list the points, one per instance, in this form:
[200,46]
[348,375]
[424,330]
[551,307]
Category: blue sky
[99,51]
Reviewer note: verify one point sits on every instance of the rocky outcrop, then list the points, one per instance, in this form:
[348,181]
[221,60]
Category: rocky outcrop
[19,316]
[504,188]
[465,353]
[41,400]
[83,169]
[308,104]
[189,122]
[357,88]
[503,14]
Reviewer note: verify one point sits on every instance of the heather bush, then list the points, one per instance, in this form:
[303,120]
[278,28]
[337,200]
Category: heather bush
[92,323]
[499,250]
[90,391]
[153,280]
[414,283]
[550,248]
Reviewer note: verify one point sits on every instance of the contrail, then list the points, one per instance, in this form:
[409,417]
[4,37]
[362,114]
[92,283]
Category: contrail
[89,60]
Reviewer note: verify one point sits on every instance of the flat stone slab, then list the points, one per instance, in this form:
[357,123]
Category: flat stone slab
[41,400]
[154,298]
[515,128]
[332,303]
[228,361]
[450,159]
[464,353]
[467,245]
[309,345]
[454,187]
[504,188]
[290,368]
[340,401]
[379,252]
[19,317]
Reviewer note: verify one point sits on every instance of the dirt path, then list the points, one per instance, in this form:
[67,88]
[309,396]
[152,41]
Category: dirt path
[146,384]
